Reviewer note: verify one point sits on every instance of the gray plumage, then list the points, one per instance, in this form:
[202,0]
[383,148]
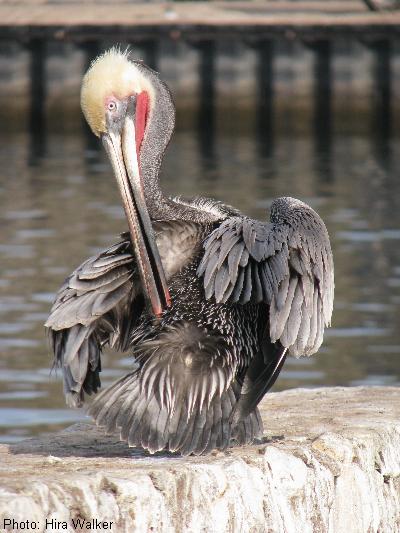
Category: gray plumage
[244,294]
[185,379]
[286,263]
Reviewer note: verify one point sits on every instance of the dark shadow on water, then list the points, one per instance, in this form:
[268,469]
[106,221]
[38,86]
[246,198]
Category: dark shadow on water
[381,125]
[382,117]
[265,99]
[206,109]
[323,109]
[37,120]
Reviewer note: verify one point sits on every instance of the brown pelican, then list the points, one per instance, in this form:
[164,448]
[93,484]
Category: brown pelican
[209,301]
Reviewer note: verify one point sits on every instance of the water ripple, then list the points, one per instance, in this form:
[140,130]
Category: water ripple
[357,332]
[14,417]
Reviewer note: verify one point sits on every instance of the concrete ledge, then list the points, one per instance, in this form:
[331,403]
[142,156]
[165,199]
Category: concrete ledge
[330,462]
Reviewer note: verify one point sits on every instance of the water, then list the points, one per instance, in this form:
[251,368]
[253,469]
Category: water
[59,204]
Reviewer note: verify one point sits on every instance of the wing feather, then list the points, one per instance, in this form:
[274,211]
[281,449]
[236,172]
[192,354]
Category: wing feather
[221,282]
[237,291]
[286,263]
[234,259]
[278,318]
[87,313]
[226,247]
[257,287]
[247,285]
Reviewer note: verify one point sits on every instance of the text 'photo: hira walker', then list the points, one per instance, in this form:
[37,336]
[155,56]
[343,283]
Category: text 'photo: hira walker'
[52,524]
[208,301]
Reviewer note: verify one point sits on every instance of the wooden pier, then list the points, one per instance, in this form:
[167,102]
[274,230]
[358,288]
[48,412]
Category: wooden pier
[326,57]
[83,21]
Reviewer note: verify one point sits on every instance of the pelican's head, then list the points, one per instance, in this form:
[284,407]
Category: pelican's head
[118,100]
[107,86]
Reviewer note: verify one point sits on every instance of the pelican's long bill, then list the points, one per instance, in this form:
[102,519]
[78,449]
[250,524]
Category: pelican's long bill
[120,145]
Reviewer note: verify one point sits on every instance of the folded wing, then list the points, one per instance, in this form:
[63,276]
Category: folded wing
[286,263]
[94,307]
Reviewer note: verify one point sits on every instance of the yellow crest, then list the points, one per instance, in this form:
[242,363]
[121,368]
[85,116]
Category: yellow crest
[110,74]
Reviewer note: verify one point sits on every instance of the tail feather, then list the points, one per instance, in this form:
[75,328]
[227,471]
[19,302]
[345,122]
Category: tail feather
[174,428]
[145,413]
[180,398]
[206,433]
[125,407]
[195,433]
[157,432]
[109,399]
[216,428]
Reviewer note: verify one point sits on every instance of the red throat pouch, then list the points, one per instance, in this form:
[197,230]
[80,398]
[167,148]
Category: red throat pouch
[142,108]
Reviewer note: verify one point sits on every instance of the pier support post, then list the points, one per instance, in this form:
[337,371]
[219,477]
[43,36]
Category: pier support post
[322,125]
[382,88]
[37,90]
[265,100]
[206,111]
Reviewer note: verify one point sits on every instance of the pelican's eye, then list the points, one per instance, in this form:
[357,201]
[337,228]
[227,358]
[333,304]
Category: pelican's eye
[115,112]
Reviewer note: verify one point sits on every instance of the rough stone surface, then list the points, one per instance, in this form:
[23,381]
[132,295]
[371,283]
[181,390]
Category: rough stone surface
[329,462]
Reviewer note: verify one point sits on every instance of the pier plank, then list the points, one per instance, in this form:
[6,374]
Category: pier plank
[63,20]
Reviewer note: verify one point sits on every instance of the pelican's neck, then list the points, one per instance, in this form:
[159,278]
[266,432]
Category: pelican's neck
[159,130]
